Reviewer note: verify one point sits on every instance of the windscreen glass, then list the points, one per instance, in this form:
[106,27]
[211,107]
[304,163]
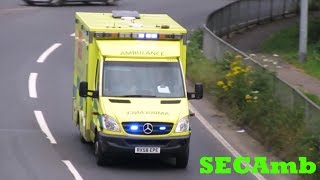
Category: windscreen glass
[142,79]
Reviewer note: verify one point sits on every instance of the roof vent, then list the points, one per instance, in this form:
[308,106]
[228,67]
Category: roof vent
[128,18]
[163,26]
[120,14]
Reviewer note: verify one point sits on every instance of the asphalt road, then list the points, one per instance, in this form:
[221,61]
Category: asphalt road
[25,152]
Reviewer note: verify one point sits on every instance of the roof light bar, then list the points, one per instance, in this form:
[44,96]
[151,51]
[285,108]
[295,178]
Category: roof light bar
[140,36]
[108,35]
[145,36]
[125,35]
[170,36]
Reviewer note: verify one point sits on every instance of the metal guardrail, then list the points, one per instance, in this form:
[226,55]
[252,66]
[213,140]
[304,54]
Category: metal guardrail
[241,14]
[215,48]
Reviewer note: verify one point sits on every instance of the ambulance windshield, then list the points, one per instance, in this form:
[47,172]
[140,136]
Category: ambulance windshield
[142,79]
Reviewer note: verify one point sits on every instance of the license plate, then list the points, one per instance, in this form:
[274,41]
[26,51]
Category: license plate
[147,150]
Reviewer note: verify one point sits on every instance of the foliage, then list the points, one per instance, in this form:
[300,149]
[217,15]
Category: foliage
[247,96]
[286,43]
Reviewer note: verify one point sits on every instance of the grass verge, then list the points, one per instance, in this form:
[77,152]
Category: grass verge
[286,43]
[247,96]
[313,97]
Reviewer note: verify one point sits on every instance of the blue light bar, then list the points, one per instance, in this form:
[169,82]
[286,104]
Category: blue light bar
[162,128]
[151,36]
[140,35]
[134,127]
[146,36]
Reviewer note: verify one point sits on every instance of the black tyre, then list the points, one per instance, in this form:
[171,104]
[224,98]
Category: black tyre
[100,159]
[82,139]
[30,3]
[57,2]
[182,159]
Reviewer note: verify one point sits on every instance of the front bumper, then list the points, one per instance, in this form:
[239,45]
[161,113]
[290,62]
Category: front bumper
[119,145]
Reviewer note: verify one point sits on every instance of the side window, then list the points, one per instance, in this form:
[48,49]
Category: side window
[97,75]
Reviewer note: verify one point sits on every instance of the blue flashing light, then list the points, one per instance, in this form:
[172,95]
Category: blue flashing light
[141,35]
[154,36]
[151,36]
[147,36]
[134,127]
[162,128]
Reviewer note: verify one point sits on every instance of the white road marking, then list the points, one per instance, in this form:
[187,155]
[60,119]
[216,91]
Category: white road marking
[221,139]
[73,34]
[47,52]
[44,127]
[32,85]
[73,170]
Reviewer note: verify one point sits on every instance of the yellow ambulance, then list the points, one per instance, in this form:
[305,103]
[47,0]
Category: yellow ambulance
[129,90]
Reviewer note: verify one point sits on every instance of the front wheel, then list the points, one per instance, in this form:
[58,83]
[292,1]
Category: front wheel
[98,151]
[101,158]
[182,159]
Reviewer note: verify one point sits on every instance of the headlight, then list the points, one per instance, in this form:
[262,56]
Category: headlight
[109,123]
[183,125]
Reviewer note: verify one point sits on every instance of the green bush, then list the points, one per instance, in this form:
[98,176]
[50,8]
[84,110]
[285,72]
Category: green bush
[251,104]
[314,5]
[246,95]
[194,47]
[199,68]
[313,31]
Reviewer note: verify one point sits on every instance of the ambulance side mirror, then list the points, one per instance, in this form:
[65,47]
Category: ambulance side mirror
[83,89]
[198,94]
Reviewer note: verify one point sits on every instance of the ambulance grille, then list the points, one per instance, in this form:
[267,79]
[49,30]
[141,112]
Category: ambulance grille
[158,128]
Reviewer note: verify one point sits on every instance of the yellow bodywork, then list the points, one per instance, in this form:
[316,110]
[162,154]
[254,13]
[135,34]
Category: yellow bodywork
[104,22]
[90,53]
[139,49]
[146,109]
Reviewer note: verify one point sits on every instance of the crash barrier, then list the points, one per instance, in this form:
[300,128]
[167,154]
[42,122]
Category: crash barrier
[244,13]
[215,48]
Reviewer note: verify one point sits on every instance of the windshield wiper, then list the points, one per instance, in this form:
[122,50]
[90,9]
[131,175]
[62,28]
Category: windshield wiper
[136,95]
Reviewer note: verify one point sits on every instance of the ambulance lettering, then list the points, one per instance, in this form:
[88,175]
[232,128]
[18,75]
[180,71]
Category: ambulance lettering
[150,53]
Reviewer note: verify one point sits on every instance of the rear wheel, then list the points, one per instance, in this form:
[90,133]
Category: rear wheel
[182,159]
[82,139]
